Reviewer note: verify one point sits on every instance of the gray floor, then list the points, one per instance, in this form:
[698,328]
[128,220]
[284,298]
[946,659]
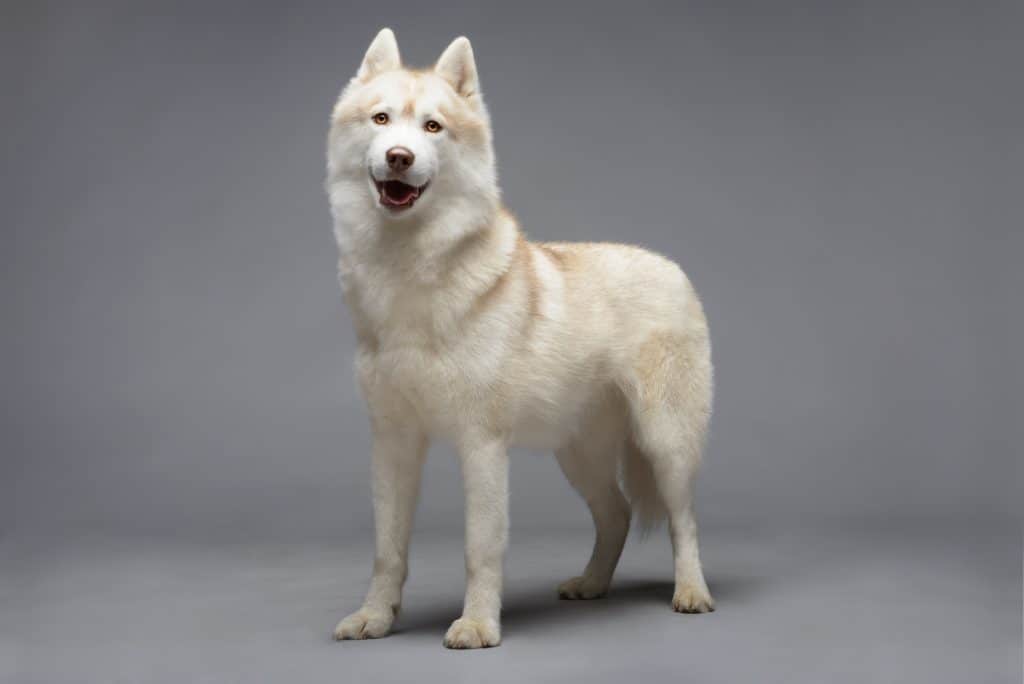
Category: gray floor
[861,606]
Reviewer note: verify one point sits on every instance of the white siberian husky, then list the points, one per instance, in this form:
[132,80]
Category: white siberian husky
[470,333]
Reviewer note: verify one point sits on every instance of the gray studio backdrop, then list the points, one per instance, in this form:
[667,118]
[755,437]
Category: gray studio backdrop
[841,181]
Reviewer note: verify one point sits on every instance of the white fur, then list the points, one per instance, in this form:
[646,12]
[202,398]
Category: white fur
[471,334]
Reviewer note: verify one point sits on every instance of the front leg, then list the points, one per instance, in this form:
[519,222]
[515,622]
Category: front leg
[485,480]
[397,465]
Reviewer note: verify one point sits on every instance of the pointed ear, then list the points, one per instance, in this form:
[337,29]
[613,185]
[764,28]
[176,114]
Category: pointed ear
[458,67]
[381,56]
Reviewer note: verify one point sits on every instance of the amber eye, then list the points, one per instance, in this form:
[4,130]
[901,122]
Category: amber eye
[432,127]
[380,118]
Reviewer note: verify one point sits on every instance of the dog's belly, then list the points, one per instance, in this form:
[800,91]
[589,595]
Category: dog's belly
[547,428]
[555,408]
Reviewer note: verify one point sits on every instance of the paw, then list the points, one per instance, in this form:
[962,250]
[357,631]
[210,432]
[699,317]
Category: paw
[364,624]
[582,588]
[692,598]
[469,633]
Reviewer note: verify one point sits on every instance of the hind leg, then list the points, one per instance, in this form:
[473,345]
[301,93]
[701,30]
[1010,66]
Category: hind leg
[691,592]
[670,398]
[590,465]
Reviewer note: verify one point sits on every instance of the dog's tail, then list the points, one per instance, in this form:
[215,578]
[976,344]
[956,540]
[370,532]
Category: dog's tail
[641,489]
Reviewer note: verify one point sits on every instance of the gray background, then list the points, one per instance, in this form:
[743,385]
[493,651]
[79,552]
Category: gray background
[184,474]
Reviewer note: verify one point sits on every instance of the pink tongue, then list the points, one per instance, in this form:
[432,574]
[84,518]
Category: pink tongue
[398,193]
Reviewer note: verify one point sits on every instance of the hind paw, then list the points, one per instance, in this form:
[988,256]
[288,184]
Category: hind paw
[582,588]
[693,599]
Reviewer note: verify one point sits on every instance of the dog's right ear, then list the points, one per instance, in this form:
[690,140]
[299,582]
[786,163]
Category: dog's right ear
[381,56]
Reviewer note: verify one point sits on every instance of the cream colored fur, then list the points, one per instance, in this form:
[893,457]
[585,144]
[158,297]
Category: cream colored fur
[469,333]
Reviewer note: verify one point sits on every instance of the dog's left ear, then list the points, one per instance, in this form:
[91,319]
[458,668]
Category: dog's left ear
[458,67]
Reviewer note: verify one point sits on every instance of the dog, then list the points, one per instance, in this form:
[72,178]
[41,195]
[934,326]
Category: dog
[469,333]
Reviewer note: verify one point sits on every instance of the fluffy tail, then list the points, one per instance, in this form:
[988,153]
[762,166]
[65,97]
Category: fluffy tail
[641,489]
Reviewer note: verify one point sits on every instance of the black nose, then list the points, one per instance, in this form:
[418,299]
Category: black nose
[400,158]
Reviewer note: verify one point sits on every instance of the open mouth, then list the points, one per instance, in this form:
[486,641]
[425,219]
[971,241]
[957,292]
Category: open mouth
[397,195]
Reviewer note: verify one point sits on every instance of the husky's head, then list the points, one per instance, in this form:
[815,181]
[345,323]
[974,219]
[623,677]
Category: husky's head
[405,143]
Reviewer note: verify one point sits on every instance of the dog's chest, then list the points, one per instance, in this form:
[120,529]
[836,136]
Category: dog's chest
[444,388]
[421,352]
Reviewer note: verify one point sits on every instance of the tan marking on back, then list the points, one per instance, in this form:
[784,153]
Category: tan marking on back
[520,266]
[492,293]
[532,279]
[500,284]
[563,259]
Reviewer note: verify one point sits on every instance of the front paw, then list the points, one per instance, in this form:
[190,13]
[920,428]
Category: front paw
[470,633]
[365,623]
